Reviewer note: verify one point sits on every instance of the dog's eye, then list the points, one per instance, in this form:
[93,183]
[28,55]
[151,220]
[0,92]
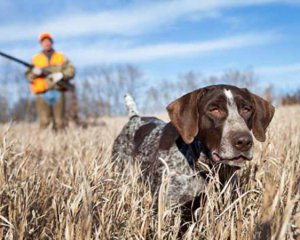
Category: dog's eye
[216,111]
[246,109]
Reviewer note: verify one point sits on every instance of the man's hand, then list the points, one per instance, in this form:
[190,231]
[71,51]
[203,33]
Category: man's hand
[56,77]
[53,79]
[37,71]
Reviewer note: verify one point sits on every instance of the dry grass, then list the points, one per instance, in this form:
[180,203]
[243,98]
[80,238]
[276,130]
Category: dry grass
[63,186]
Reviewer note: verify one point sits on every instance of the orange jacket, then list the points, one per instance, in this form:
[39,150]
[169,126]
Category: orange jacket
[39,84]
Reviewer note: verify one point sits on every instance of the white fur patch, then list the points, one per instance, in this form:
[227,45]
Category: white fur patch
[131,106]
[231,105]
[228,94]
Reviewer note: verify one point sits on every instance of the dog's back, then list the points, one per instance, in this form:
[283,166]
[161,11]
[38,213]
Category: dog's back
[152,143]
[136,131]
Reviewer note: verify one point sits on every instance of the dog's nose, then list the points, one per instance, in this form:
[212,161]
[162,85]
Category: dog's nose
[242,141]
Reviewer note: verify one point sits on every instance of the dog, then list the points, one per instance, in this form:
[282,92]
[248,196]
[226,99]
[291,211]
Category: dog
[211,126]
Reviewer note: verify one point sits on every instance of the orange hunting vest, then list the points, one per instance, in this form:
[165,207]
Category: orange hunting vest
[39,85]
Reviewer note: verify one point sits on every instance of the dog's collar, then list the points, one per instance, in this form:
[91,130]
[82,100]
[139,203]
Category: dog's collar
[194,151]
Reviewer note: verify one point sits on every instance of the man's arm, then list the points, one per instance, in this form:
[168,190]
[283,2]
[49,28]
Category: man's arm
[30,75]
[33,72]
[68,70]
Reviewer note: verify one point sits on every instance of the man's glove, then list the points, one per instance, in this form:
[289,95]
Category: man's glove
[53,79]
[56,77]
[37,71]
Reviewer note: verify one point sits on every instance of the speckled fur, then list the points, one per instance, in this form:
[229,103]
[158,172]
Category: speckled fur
[182,180]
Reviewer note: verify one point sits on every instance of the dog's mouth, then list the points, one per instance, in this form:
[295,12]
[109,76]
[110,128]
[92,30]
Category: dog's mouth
[234,161]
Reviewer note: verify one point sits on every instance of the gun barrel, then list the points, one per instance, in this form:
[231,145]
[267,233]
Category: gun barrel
[15,59]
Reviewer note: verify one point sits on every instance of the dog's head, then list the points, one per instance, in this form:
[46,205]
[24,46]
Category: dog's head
[222,117]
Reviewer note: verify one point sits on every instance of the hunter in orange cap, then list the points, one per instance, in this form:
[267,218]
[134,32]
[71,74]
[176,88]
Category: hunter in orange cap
[50,67]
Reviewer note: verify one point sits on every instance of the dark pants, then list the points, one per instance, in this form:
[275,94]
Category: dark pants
[48,113]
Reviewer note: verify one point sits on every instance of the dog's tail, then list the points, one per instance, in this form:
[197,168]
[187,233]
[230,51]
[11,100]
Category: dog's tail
[130,105]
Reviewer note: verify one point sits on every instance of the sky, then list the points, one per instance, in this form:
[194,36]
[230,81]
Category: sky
[164,38]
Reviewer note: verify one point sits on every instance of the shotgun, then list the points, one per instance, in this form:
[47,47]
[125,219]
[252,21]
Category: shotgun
[64,84]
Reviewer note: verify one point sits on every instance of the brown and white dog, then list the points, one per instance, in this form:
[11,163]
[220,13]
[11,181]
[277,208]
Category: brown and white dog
[212,125]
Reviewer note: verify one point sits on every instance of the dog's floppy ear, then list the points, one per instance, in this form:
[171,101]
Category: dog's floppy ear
[262,117]
[184,115]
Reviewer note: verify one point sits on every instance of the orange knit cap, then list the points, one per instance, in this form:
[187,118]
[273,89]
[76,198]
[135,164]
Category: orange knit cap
[45,35]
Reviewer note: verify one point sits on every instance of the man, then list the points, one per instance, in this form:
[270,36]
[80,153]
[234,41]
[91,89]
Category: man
[51,68]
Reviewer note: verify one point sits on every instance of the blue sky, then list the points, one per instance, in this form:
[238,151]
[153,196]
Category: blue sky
[164,38]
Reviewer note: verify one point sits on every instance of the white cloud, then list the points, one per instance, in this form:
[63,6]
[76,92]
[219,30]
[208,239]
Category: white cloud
[136,54]
[137,19]
[108,52]
[278,70]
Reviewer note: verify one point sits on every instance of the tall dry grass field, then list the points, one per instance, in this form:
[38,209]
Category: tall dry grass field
[64,186]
